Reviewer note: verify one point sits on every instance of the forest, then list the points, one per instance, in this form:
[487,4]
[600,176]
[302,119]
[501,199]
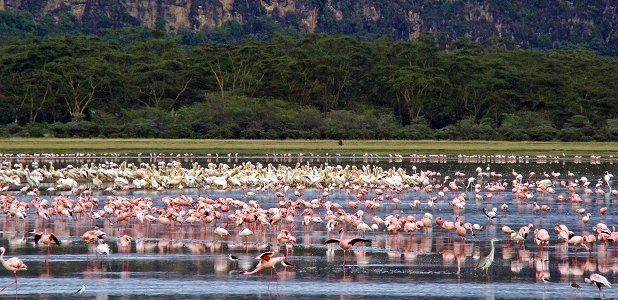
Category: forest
[140,82]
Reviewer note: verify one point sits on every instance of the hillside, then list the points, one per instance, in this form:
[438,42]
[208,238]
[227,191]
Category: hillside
[142,83]
[514,24]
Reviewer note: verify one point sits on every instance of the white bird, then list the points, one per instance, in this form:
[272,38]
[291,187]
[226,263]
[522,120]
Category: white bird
[102,248]
[80,291]
[221,231]
[491,214]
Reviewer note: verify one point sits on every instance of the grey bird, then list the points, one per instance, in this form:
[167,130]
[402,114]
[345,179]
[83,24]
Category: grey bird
[486,261]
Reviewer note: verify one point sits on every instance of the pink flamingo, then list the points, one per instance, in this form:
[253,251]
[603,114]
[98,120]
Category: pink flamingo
[94,235]
[46,239]
[541,237]
[266,262]
[600,282]
[13,264]
[346,245]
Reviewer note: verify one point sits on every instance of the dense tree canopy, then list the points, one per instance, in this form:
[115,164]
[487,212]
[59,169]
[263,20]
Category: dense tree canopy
[137,82]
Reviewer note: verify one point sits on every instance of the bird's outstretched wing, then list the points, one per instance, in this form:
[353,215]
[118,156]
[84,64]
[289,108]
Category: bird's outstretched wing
[263,255]
[358,240]
[287,263]
[37,237]
[331,241]
[56,240]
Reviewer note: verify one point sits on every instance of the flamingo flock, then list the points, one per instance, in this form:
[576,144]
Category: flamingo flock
[393,200]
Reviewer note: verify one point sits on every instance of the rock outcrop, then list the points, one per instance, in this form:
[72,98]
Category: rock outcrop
[522,23]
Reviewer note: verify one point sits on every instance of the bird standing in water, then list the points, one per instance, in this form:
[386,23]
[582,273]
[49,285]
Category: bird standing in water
[545,282]
[46,239]
[346,245]
[266,262]
[233,259]
[486,261]
[102,248]
[80,291]
[600,282]
[13,264]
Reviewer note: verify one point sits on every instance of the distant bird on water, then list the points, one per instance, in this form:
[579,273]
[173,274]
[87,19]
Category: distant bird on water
[545,282]
[490,214]
[232,257]
[80,291]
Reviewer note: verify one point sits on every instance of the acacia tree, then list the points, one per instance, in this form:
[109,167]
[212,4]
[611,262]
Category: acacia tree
[78,81]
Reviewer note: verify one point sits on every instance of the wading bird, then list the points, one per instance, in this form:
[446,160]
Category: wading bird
[102,248]
[266,262]
[597,279]
[346,245]
[13,264]
[46,239]
[80,291]
[486,261]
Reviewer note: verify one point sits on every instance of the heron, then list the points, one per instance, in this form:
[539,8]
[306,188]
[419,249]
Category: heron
[486,261]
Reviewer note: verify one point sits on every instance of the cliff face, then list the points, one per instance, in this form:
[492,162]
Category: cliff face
[522,22]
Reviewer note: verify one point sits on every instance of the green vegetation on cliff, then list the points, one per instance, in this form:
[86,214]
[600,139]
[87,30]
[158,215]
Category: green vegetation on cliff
[548,24]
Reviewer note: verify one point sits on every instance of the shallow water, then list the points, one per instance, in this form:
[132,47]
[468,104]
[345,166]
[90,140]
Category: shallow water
[190,262]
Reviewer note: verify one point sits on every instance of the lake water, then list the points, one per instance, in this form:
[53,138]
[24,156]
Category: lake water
[186,261]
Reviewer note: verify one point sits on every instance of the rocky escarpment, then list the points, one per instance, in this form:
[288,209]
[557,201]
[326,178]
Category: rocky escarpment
[538,23]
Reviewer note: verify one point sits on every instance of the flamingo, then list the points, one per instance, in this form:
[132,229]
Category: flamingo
[13,264]
[245,233]
[266,262]
[541,237]
[346,245]
[597,279]
[286,237]
[46,239]
[124,241]
[94,235]
[102,248]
